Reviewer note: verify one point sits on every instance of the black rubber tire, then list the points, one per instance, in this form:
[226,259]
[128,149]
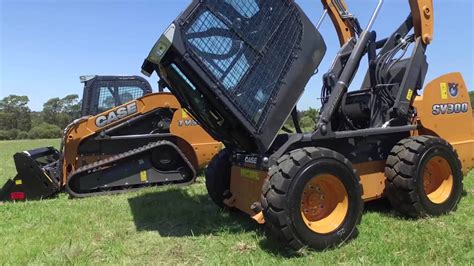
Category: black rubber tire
[282,192]
[404,172]
[218,174]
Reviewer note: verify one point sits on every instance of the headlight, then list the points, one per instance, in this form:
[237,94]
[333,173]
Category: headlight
[162,46]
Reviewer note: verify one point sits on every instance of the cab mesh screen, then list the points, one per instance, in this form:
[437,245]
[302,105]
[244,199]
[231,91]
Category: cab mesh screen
[246,47]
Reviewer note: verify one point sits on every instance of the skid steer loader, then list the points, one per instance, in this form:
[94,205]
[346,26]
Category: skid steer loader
[128,138]
[240,67]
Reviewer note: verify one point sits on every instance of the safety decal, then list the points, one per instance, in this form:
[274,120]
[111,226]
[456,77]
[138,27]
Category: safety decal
[444,91]
[184,114]
[143,176]
[409,95]
[250,174]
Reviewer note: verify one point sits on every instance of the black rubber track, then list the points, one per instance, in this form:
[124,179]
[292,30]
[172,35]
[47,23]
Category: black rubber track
[404,184]
[276,199]
[218,174]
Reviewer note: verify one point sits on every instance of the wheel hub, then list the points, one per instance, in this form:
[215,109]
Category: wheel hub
[324,204]
[438,180]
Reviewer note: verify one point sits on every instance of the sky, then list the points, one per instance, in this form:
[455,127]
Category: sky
[47,44]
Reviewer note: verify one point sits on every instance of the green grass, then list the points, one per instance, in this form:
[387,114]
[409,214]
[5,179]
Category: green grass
[182,226]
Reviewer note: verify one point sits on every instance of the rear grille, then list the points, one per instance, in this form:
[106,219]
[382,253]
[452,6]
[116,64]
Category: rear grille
[247,48]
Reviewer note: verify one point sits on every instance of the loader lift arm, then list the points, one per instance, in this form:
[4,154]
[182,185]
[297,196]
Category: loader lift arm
[340,17]
[347,27]
[421,20]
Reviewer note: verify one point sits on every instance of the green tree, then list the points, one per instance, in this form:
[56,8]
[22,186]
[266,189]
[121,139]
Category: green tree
[51,109]
[61,112]
[44,131]
[307,118]
[36,118]
[72,106]
[313,114]
[14,113]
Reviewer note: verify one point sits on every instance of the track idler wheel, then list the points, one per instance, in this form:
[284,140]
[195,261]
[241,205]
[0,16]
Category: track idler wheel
[165,158]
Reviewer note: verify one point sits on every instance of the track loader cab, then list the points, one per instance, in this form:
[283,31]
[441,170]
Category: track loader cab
[102,93]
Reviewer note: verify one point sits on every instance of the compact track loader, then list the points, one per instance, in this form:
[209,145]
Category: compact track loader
[240,67]
[128,138]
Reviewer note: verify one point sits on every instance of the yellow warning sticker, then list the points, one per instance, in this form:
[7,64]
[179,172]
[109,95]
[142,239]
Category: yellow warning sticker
[184,113]
[409,94]
[250,174]
[19,182]
[143,176]
[444,90]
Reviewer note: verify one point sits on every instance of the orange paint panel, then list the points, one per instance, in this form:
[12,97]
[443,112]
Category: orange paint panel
[246,188]
[372,177]
[423,19]
[185,127]
[451,117]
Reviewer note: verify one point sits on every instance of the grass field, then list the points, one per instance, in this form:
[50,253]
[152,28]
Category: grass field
[182,226]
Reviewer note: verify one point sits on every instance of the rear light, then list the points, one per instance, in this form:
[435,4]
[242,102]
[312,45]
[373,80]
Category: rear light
[17,195]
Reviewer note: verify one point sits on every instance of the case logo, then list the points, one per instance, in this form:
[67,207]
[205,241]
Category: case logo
[115,115]
[251,160]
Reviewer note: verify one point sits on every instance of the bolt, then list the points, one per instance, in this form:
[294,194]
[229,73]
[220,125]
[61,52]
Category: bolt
[427,11]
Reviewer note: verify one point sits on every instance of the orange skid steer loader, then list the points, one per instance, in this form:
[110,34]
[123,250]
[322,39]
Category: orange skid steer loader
[240,68]
[128,138]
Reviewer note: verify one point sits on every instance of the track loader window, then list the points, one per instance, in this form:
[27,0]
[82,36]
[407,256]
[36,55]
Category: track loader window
[102,93]
[110,97]
[106,99]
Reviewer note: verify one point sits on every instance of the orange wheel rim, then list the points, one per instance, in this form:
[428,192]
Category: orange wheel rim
[438,180]
[324,204]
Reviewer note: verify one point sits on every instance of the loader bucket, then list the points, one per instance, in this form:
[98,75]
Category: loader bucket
[37,176]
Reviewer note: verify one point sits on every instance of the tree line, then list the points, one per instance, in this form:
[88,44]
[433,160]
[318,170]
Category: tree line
[17,121]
